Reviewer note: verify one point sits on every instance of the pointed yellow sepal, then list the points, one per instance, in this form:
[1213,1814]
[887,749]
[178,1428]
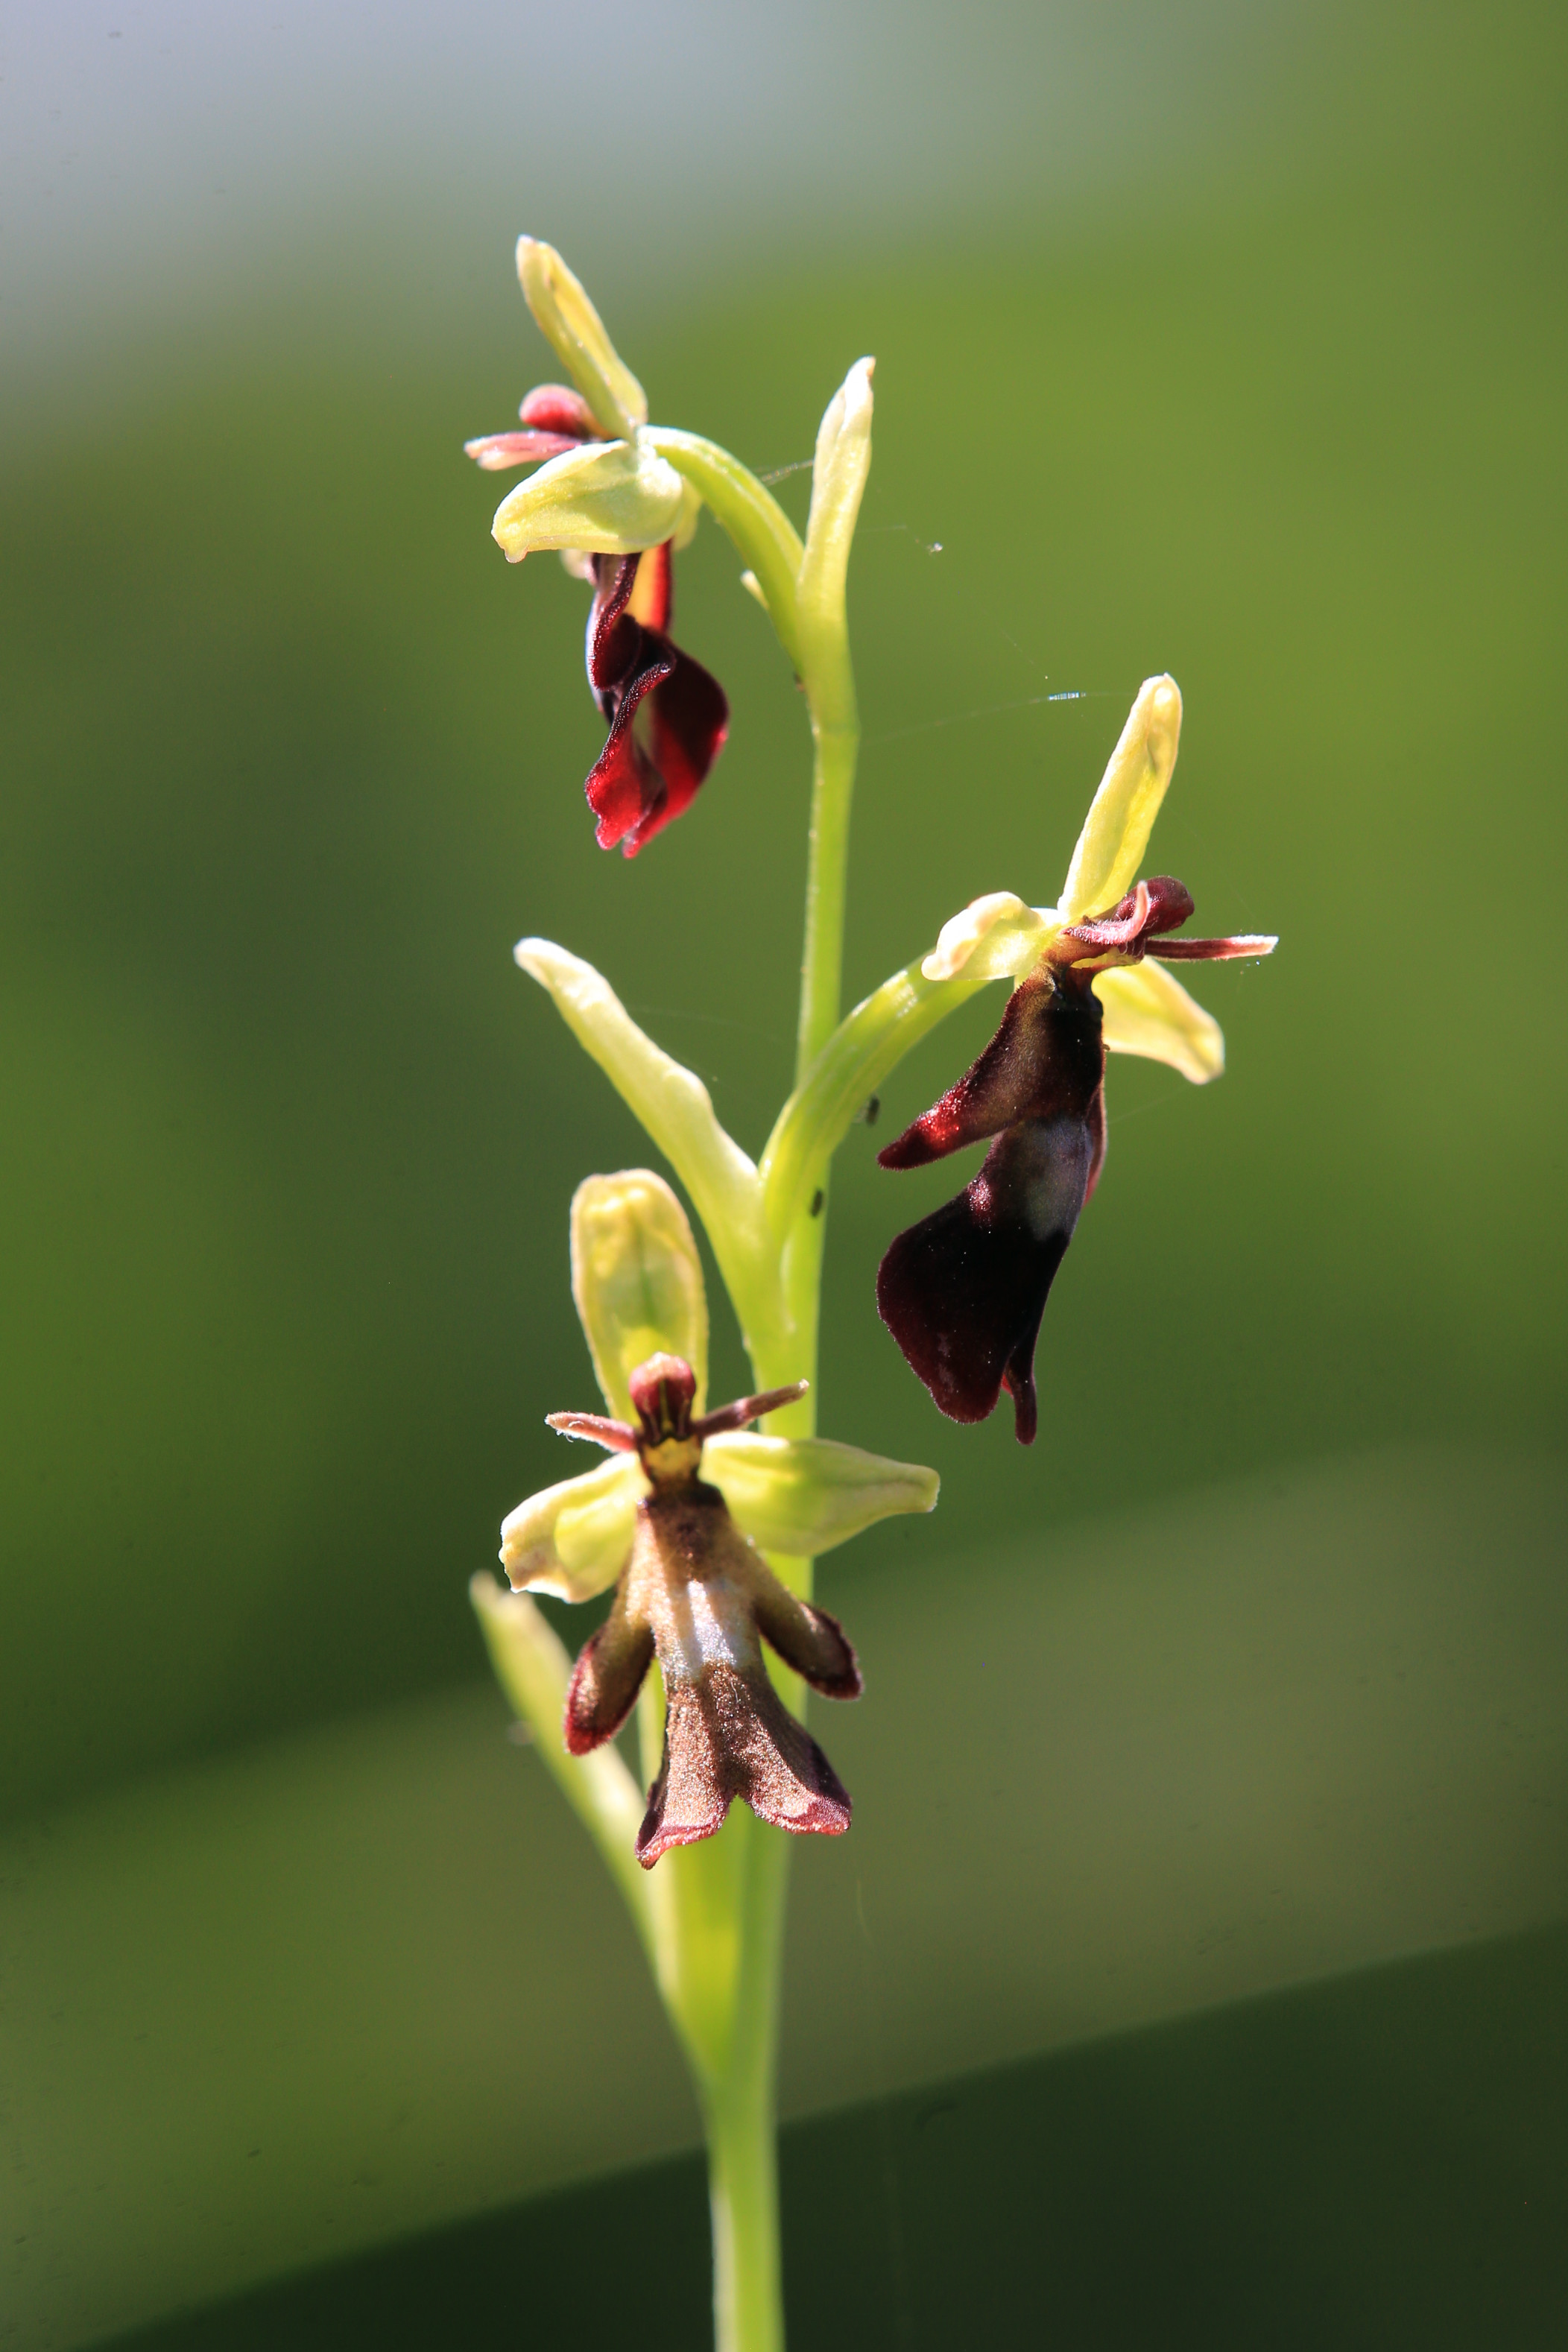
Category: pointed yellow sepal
[1121,815]
[1148,1012]
[568,319]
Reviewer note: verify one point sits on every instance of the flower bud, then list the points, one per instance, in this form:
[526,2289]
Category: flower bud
[609,498]
[838,472]
[566,317]
[637,1281]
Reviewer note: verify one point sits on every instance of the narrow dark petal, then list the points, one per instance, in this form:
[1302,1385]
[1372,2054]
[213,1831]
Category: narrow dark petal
[556,408]
[1121,928]
[728,1735]
[496,451]
[745,1409]
[1047,1058]
[612,646]
[807,1639]
[1248,943]
[607,1678]
[1130,925]
[963,1291]
[596,1429]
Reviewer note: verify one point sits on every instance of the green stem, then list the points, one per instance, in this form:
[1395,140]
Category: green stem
[753,518]
[742,2127]
[822,964]
[748,2308]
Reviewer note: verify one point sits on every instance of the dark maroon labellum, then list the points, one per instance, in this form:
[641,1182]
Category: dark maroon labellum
[667,716]
[963,1291]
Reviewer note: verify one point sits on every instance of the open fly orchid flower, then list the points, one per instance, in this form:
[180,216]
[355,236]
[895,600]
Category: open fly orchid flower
[696,1593]
[675,1521]
[616,511]
[963,1292]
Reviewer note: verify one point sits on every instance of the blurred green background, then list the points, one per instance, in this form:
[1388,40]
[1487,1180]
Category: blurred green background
[1250,1674]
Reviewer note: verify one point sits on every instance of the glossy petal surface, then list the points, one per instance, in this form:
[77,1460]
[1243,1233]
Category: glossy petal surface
[963,1291]
[668,717]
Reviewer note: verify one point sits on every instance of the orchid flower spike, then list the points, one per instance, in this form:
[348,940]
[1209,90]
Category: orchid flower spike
[963,1291]
[616,511]
[675,1520]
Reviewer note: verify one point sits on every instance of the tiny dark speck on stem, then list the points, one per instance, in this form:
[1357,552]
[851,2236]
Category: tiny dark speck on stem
[817,1199]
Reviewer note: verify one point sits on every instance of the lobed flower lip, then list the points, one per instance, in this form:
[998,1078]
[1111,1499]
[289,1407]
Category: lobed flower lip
[963,1291]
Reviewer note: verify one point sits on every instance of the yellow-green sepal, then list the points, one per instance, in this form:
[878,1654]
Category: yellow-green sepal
[804,1495]
[994,937]
[637,1278]
[609,498]
[676,1111]
[574,1539]
[566,317]
[1121,815]
[1147,1011]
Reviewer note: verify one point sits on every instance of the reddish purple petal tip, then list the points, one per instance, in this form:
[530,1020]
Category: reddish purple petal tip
[496,451]
[556,408]
[728,1735]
